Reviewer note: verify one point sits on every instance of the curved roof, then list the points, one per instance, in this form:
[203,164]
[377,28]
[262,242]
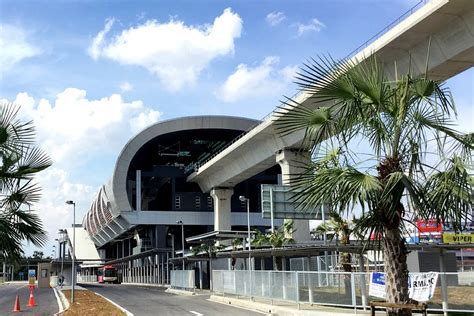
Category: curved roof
[112,198]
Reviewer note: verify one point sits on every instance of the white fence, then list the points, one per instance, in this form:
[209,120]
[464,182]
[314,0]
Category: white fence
[334,288]
[183,279]
[86,278]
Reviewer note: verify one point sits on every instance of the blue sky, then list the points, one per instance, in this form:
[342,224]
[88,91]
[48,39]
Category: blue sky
[93,73]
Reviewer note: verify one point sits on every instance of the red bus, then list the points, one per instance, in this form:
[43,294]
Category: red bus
[107,274]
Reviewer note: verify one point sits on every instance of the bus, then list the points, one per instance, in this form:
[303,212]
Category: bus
[107,274]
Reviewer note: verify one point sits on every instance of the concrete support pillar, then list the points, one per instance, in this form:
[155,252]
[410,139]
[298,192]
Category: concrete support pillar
[222,207]
[292,163]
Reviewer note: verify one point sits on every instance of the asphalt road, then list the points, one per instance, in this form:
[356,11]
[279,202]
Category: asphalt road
[45,300]
[142,301]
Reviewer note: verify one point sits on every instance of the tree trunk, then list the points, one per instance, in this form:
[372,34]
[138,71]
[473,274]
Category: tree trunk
[396,271]
[347,267]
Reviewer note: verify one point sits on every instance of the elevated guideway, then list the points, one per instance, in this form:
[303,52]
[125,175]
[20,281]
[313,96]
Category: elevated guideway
[448,23]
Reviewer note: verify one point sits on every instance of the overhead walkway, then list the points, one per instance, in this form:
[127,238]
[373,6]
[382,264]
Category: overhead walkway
[448,23]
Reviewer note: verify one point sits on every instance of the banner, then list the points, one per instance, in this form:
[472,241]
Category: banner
[463,238]
[421,286]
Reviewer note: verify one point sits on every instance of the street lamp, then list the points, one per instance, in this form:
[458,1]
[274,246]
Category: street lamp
[73,247]
[61,249]
[182,237]
[244,199]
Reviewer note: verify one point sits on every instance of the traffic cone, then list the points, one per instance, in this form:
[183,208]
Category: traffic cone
[31,301]
[16,307]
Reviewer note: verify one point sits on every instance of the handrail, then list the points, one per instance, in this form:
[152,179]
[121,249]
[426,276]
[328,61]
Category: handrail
[196,166]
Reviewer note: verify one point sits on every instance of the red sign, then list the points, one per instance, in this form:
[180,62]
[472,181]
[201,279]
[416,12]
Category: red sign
[429,226]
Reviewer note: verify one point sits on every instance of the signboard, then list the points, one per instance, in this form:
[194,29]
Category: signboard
[421,286]
[277,199]
[31,277]
[377,284]
[429,226]
[463,238]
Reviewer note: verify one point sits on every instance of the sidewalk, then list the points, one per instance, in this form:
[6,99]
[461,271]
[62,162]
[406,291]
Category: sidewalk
[282,308]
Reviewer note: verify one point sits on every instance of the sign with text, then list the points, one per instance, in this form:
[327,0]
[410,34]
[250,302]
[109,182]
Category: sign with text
[31,276]
[421,286]
[463,238]
[377,284]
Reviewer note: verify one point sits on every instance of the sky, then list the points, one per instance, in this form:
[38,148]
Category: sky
[92,74]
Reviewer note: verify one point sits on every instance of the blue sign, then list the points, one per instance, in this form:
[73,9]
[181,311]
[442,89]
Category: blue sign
[378,278]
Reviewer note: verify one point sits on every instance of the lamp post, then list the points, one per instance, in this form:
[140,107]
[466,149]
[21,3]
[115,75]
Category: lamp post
[73,267]
[182,238]
[61,249]
[243,198]
[172,247]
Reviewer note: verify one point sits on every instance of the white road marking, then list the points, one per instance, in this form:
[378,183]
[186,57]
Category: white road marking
[196,313]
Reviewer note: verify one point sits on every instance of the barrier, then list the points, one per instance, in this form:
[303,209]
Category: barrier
[335,288]
[182,279]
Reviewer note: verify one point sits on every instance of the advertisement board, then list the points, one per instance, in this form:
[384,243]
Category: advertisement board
[463,238]
[429,226]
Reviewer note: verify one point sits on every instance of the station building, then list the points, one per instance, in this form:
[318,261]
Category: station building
[141,211]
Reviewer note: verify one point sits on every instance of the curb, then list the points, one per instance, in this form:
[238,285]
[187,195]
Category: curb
[180,292]
[146,284]
[116,305]
[62,301]
[277,310]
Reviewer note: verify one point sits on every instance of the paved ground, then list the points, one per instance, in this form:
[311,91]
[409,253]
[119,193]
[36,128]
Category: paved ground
[141,301]
[45,299]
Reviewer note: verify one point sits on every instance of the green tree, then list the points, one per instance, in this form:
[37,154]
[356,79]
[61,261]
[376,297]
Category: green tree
[20,161]
[403,121]
[341,229]
[276,239]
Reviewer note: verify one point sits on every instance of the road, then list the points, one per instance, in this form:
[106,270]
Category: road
[142,301]
[45,300]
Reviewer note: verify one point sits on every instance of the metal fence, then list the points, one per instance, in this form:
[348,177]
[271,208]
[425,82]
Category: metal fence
[454,290]
[183,279]
[86,278]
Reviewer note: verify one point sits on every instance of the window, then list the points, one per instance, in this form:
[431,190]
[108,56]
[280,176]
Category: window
[177,202]
[209,202]
[197,202]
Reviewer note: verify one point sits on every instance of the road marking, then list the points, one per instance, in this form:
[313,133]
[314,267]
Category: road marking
[196,313]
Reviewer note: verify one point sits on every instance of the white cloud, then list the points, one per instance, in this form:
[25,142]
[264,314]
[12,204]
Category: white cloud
[264,79]
[173,51]
[313,26]
[74,124]
[98,41]
[126,86]
[14,46]
[78,134]
[275,18]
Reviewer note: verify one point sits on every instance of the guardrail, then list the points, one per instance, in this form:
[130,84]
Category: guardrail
[343,289]
[182,279]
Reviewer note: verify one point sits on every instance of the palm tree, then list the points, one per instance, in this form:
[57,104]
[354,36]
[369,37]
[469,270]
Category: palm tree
[342,230]
[403,121]
[276,239]
[20,161]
